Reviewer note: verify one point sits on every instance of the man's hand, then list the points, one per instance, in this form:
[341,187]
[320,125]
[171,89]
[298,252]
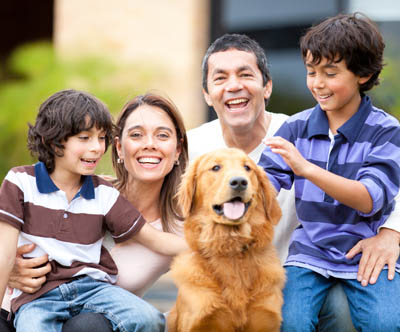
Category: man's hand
[28,275]
[377,251]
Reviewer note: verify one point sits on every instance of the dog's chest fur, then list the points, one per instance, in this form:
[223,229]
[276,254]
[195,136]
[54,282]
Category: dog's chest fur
[231,262]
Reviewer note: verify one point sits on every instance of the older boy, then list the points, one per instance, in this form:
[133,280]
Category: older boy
[59,205]
[344,159]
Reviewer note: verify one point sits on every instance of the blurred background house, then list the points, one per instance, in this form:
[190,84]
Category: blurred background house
[117,49]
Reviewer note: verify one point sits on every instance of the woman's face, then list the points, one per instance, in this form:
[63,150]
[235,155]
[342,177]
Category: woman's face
[148,145]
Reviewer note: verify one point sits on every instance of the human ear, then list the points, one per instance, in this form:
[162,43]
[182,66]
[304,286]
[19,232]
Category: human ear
[364,79]
[178,149]
[118,147]
[268,90]
[207,98]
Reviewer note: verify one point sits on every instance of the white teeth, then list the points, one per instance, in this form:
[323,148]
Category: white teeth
[89,160]
[149,160]
[237,101]
[324,96]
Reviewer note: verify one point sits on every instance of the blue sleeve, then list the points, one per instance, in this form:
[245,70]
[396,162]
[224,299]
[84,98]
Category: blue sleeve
[380,172]
[278,172]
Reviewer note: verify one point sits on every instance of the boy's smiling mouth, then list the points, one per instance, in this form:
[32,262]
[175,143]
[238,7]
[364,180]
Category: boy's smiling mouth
[90,161]
[324,96]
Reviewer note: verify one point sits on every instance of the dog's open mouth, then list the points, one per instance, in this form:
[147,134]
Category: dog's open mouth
[234,209]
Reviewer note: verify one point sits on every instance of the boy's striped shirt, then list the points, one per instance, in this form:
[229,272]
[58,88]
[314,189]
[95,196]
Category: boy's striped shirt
[367,149]
[71,233]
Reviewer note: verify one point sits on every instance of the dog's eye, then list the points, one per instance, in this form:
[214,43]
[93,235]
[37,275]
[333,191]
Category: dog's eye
[216,168]
[247,168]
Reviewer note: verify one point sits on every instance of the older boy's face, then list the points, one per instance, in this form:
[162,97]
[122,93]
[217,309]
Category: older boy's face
[82,153]
[334,86]
[235,88]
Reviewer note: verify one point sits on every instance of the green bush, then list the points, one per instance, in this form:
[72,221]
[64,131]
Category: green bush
[386,95]
[37,73]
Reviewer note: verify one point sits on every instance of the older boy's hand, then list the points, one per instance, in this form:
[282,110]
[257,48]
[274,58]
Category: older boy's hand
[377,251]
[28,275]
[289,153]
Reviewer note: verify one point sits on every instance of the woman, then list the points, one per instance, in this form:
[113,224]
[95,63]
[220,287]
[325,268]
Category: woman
[149,155]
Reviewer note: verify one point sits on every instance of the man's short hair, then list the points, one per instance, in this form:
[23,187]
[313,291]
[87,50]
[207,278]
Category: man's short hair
[237,42]
[62,115]
[353,38]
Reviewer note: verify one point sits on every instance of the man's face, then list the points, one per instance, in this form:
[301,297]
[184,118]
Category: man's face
[235,88]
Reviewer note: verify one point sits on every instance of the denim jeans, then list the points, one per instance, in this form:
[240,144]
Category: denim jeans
[335,313]
[373,308]
[125,311]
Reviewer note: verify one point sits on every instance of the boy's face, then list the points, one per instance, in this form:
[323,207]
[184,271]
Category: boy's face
[82,152]
[333,86]
[235,88]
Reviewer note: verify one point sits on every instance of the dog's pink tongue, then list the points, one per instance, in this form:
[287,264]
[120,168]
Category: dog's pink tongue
[233,210]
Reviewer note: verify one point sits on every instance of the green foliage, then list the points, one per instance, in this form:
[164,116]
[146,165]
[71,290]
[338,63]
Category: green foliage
[386,95]
[38,73]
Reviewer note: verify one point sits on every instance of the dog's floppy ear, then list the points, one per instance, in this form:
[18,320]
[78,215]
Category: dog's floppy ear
[271,205]
[187,188]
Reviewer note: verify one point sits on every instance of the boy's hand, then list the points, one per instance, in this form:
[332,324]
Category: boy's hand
[377,251]
[289,153]
[28,275]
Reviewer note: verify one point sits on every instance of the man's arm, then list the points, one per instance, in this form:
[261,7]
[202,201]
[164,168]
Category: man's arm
[8,247]
[379,250]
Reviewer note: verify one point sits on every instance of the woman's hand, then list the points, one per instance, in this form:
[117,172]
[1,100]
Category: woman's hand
[28,275]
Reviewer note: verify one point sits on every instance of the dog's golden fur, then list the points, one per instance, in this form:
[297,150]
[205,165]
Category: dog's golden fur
[231,279]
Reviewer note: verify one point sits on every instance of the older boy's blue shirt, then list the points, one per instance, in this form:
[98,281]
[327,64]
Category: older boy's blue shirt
[46,185]
[367,149]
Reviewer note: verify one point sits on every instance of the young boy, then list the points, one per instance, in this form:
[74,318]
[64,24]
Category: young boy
[64,209]
[344,159]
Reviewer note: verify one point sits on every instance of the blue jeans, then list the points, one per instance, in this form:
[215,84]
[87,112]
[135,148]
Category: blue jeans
[373,308]
[335,313]
[125,311]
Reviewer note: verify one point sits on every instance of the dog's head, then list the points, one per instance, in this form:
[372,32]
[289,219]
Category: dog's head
[227,187]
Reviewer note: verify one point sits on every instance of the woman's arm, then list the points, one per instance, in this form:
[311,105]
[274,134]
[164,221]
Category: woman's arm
[28,275]
[162,242]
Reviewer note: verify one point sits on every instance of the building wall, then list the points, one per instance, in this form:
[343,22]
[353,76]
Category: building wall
[168,36]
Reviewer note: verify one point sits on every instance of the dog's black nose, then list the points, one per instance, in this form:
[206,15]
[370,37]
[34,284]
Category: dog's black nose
[238,183]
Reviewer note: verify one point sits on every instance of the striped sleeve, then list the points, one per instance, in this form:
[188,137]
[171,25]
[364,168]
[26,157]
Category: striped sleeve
[12,200]
[278,172]
[381,167]
[123,220]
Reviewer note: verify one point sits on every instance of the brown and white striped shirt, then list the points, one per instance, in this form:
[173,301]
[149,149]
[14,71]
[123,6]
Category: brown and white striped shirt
[71,233]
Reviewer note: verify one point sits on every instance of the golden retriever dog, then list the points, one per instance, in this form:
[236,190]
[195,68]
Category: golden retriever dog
[231,278]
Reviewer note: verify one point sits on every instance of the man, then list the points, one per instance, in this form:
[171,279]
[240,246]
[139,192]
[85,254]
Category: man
[237,84]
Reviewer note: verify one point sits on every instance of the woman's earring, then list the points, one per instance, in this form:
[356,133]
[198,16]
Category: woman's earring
[120,161]
[176,162]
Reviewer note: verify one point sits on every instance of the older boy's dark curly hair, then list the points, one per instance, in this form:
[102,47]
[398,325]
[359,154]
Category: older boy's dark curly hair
[353,38]
[65,114]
